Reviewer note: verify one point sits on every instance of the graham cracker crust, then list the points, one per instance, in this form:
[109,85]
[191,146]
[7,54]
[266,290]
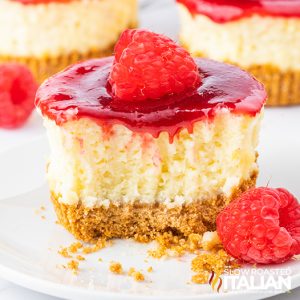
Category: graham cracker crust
[46,66]
[283,87]
[143,221]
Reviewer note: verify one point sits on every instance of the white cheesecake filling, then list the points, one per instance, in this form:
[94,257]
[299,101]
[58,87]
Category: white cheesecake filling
[255,40]
[54,28]
[90,165]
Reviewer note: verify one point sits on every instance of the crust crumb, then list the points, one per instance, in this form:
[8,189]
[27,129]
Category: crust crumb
[216,261]
[73,265]
[100,259]
[79,257]
[73,248]
[131,271]
[100,244]
[200,278]
[150,270]
[116,268]
[64,252]
[174,245]
[138,276]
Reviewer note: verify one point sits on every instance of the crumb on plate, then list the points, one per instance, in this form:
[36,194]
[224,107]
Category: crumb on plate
[136,275]
[73,265]
[116,268]
[215,261]
[64,252]
[73,248]
[80,257]
[174,245]
[100,244]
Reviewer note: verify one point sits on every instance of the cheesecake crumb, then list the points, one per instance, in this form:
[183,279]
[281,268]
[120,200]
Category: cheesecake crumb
[100,259]
[43,217]
[150,270]
[210,240]
[79,257]
[73,265]
[116,268]
[42,207]
[215,261]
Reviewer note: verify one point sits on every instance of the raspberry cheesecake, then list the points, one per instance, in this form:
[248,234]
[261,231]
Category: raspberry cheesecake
[150,140]
[260,36]
[48,35]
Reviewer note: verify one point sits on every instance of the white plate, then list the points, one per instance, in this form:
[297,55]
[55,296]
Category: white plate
[29,244]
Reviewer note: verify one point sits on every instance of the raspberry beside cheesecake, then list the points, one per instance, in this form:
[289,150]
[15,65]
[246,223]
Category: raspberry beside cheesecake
[150,140]
[48,35]
[260,36]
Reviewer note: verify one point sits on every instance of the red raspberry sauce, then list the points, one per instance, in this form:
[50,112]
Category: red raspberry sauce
[222,11]
[82,90]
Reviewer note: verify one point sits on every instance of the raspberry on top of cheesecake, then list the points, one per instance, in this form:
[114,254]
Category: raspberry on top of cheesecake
[261,36]
[150,140]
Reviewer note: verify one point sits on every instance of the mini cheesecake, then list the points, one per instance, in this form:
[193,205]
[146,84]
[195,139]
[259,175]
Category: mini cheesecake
[48,35]
[140,168]
[260,36]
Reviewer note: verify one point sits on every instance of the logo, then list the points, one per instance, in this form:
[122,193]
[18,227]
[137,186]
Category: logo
[215,281]
[252,280]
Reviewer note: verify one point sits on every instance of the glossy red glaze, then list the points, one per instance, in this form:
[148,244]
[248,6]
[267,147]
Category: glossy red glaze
[222,11]
[82,90]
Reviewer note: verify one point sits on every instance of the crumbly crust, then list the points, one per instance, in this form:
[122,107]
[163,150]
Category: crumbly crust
[283,87]
[44,67]
[143,221]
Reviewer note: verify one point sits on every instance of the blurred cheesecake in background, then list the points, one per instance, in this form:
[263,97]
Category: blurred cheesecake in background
[48,35]
[261,36]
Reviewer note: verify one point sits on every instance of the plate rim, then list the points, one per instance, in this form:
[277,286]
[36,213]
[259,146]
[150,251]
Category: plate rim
[50,288]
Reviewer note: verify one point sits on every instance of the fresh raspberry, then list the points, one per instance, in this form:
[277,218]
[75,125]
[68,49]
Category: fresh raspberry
[261,226]
[17,92]
[149,65]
